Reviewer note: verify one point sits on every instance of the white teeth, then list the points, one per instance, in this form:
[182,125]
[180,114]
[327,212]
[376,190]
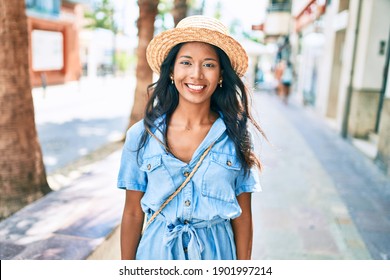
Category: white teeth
[195,87]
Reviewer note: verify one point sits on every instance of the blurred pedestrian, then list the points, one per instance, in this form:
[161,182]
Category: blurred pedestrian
[189,165]
[286,81]
[278,72]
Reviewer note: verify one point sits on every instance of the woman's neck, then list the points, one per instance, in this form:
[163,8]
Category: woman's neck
[192,117]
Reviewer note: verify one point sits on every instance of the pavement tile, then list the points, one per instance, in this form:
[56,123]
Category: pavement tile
[379,245]
[277,244]
[371,221]
[8,250]
[319,241]
[58,248]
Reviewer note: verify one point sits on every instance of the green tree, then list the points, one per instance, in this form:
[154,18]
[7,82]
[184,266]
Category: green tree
[218,10]
[102,16]
[164,9]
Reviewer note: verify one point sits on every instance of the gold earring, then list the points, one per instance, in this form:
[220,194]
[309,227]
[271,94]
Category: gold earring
[220,83]
[172,80]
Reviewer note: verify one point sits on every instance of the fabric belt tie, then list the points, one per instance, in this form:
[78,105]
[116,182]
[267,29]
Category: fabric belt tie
[195,245]
[174,233]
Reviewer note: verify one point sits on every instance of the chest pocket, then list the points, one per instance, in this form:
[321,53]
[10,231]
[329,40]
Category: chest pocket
[160,183]
[220,177]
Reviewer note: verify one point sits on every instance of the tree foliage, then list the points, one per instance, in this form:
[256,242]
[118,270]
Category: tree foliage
[101,16]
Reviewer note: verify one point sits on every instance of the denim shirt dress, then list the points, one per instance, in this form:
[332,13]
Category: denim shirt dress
[195,225]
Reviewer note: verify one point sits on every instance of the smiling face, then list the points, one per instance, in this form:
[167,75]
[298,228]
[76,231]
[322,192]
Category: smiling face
[196,73]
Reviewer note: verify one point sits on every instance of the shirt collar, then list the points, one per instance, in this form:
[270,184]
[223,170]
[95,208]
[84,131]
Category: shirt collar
[215,132]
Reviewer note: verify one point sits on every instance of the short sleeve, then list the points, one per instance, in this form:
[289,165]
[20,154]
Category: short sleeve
[248,182]
[130,176]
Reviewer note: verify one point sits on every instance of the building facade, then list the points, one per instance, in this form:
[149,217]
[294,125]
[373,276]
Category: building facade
[343,54]
[54,27]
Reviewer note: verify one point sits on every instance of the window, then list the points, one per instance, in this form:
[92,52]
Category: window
[48,7]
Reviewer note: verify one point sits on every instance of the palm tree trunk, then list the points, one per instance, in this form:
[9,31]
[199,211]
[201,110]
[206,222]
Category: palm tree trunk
[147,14]
[22,173]
[179,10]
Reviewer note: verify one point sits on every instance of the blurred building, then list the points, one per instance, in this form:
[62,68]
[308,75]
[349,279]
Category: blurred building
[278,21]
[343,55]
[97,47]
[275,31]
[340,52]
[54,27]
[308,39]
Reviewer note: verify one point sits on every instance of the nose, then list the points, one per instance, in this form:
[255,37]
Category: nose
[197,72]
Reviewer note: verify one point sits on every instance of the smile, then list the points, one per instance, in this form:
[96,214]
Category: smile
[195,87]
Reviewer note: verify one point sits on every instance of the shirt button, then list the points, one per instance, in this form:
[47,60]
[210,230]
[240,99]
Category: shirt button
[149,166]
[187,203]
[185,250]
[186,174]
[229,163]
[186,222]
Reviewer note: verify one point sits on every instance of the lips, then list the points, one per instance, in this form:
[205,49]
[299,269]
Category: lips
[196,87]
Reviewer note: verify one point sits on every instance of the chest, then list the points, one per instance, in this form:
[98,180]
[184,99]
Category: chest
[184,143]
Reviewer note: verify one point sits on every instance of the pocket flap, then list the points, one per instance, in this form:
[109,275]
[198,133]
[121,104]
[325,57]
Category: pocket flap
[227,161]
[150,164]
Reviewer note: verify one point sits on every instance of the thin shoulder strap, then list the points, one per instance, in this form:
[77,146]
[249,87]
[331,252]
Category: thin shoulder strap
[172,196]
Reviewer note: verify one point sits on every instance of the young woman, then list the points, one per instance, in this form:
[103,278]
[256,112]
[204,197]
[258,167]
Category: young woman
[198,104]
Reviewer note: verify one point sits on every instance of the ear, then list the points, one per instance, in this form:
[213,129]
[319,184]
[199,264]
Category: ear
[220,77]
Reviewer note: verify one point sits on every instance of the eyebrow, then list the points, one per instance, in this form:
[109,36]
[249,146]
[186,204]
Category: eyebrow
[208,58]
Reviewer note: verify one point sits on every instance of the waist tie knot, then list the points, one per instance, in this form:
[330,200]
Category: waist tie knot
[173,237]
[175,233]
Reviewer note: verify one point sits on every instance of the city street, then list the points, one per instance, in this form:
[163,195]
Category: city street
[321,199]
[319,73]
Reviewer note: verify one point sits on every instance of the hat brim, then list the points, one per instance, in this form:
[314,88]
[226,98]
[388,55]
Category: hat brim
[162,44]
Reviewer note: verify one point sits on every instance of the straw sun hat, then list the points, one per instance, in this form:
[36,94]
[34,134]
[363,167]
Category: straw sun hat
[197,29]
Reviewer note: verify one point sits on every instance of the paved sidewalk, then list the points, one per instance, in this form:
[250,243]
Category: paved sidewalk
[77,118]
[321,199]
[77,222]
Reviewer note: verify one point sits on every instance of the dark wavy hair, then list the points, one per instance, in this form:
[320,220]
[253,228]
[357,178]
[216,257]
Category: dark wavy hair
[232,100]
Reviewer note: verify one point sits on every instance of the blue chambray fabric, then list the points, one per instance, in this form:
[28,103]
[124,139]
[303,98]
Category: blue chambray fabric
[196,223]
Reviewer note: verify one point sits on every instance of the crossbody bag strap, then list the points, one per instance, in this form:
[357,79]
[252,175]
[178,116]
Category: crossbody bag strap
[173,195]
